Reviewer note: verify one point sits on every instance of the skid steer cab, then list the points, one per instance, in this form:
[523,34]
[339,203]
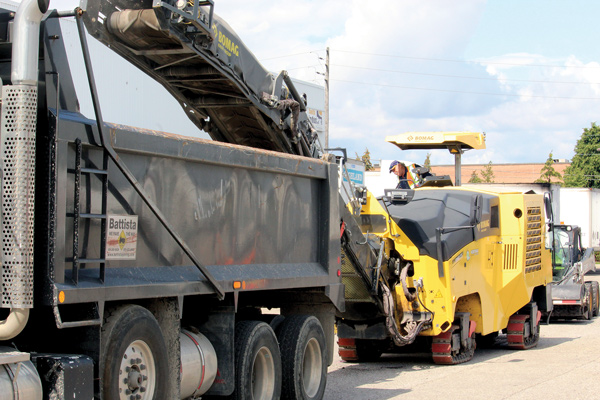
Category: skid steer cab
[573,297]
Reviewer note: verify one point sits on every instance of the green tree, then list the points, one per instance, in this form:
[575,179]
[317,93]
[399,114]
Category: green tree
[475,178]
[487,175]
[584,170]
[366,159]
[427,163]
[548,172]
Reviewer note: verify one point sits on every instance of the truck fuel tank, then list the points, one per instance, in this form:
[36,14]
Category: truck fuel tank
[18,377]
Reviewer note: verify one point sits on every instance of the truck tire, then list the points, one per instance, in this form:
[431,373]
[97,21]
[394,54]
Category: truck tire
[303,356]
[257,362]
[134,357]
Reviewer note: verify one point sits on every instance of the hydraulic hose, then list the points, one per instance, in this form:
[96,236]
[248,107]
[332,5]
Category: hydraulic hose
[390,321]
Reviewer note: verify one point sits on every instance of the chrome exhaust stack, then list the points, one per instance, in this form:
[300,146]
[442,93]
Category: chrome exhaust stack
[18,129]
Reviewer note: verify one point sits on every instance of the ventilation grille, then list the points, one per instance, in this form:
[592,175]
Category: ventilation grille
[510,256]
[355,289]
[18,121]
[533,240]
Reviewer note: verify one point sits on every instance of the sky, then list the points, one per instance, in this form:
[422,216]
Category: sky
[526,72]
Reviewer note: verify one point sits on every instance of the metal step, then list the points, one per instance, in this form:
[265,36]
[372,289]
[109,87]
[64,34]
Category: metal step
[94,171]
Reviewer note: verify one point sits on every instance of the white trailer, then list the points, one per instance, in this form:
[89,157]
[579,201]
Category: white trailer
[581,206]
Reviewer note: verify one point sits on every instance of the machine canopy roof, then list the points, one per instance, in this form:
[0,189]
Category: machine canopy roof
[457,141]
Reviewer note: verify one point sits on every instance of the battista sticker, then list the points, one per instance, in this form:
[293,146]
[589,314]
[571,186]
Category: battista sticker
[121,237]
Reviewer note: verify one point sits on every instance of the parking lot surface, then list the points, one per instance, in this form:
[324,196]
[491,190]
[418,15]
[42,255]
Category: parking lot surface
[565,365]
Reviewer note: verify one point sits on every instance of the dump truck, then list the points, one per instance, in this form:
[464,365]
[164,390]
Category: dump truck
[443,267]
[572,296]
[142,265]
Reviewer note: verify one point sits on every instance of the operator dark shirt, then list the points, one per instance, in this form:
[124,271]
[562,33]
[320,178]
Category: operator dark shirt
[403,182]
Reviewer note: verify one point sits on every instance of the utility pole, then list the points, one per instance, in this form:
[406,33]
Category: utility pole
[326,116]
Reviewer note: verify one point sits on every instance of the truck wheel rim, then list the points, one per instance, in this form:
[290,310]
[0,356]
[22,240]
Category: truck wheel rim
[263,375]
[137,373]
[312,367]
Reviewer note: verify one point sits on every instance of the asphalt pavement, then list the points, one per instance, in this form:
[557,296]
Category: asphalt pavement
[565,365]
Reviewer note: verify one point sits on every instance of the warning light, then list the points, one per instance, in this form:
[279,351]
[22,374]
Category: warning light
[239,284]
[339,272]
[339,259]
[61,297]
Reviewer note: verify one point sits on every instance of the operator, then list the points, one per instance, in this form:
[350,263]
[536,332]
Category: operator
[401,171]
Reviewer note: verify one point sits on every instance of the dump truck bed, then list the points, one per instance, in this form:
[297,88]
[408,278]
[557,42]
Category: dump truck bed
[248,215]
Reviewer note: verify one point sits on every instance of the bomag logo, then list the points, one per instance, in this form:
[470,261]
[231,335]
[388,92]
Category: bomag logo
[225,43]
[420,138]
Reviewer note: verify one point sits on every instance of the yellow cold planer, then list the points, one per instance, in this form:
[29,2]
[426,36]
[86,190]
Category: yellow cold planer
[445,268]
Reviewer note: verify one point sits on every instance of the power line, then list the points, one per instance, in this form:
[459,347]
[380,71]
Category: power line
[306,66]
[468,61]
[467,92]
[290,55]
[463,76]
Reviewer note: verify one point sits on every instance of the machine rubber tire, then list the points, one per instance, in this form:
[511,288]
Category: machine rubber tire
[589,313]
[303,356]
[596,293]
[133,347]
[595,297]
[257,362]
